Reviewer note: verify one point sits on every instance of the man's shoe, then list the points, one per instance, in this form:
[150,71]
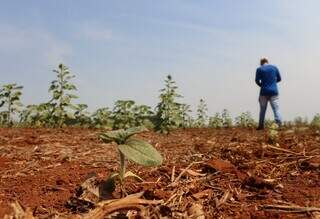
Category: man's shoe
[260,128]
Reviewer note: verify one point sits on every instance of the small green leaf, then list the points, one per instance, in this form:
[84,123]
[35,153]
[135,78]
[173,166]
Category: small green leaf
[141,152]
[111,136]
[135,130]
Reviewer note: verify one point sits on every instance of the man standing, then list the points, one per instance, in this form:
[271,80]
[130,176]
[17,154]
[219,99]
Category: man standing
[267,77]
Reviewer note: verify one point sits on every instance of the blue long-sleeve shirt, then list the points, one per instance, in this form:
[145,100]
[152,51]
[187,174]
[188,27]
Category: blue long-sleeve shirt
[267,77]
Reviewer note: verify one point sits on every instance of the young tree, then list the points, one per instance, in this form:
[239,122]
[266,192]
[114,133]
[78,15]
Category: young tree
[202,116]
[122,115]
[245,120]
[36,115]
[316,121]
[227,120]
[216,121]
[168,111]
[187,120]
[101,118]
[62,96]
[10,100]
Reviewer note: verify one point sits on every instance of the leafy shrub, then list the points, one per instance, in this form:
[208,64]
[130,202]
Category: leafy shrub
[299,121]
[37,115]
[81,116]
[62,96]
[216,121]
[184,113]
[101,118]
[245,120]
[143,116]
[10,100]
[316,121]
[227,120]
[202,116]
[133,149]
[169,113]
[127,114]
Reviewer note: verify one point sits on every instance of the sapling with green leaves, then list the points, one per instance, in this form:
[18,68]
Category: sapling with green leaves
[245,120]
[227,120]
[300,121]
[36,115]
[101,118]
[316,121]
[202,116]
[62,96]
[143,116]
[186,119]
[81,115]
[216,121]
[136,150]
[10,95]
[168,111]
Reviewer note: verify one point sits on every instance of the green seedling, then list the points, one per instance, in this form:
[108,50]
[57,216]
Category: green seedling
[169,113]
[10,100]
[127,114]
[36,115]
[61,101]
[245,120]
[133,149]
[227,120]
[101,118]
[316,122]
[216,121]
[202,116]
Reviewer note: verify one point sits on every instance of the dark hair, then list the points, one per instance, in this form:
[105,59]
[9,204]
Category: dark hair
[263,61]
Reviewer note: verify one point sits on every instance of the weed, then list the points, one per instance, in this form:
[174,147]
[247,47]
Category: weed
[62,96]
[169,114]
[216,121]
[202,116]
[10,99]
[227,120]
[245,120]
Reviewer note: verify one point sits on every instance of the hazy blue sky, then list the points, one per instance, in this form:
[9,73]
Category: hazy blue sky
[123,49]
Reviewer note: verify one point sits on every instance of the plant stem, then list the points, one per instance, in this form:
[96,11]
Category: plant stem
[122,167]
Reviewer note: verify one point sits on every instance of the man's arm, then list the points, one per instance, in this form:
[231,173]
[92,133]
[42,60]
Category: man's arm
[258,79]
[278,76]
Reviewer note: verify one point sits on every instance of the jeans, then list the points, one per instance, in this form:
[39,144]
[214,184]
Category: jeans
[263,100]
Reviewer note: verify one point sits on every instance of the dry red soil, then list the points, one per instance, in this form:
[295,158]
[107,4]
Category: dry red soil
[229,173]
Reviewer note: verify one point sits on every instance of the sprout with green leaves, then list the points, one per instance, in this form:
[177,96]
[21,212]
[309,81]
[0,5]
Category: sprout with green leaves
[37,115]
[227,120]
[316,121]
[133,149]
[187,120]
[81,115]
[10,99]
[101,118]
[202,116]
[169,114]
[245,120]
[127,114]
[216,121]
[62,96]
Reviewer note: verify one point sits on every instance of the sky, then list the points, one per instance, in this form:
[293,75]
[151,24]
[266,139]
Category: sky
[123,49]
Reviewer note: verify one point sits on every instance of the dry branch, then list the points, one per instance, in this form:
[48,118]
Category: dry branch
[130,202]
[293,209]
